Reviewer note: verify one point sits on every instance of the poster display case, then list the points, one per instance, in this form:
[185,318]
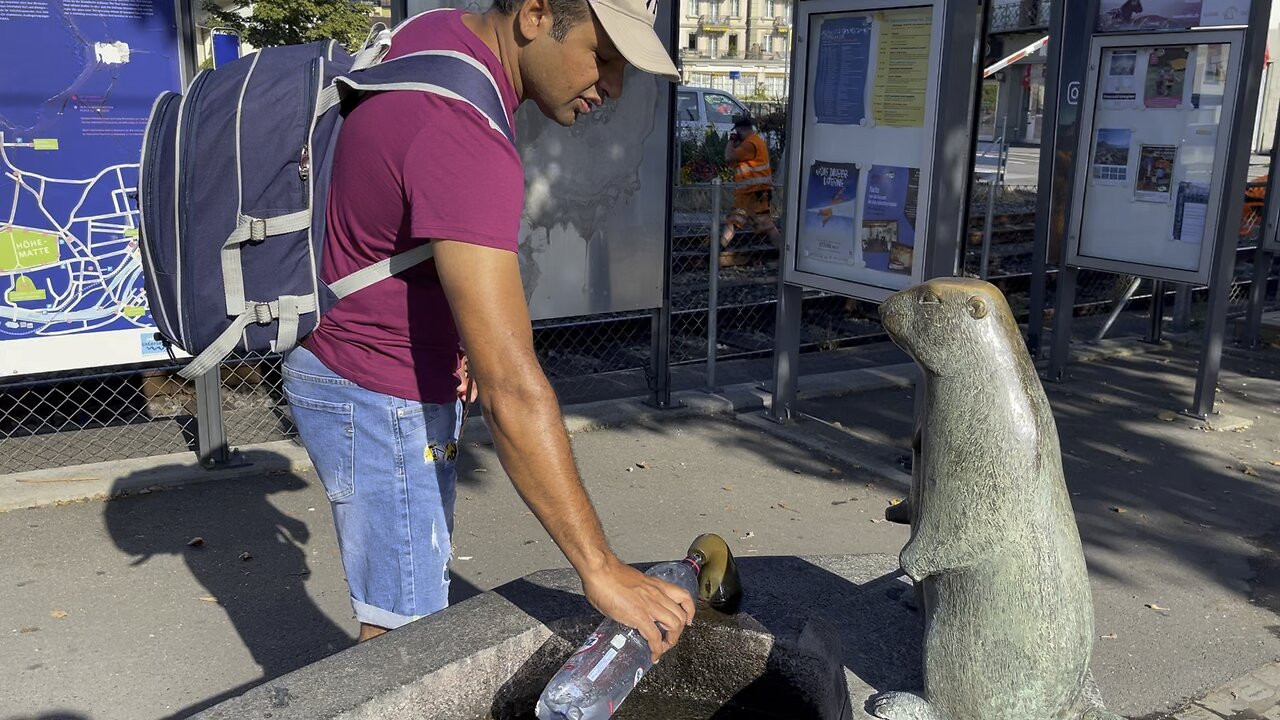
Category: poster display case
[864,119]
[1153,146]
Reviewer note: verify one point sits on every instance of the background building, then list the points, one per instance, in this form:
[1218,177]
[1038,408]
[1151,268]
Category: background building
[742,46]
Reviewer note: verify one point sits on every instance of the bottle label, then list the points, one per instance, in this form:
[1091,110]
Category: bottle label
[609,655]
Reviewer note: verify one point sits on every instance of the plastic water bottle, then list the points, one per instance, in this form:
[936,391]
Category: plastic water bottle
[595,680]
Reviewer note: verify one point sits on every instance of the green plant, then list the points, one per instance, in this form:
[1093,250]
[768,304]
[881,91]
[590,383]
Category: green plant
[267,23]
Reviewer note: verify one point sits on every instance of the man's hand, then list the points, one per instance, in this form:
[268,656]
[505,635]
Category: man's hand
[467,389]
[637,600]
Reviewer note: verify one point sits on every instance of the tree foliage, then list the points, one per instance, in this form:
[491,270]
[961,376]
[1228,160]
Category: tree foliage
[267,23]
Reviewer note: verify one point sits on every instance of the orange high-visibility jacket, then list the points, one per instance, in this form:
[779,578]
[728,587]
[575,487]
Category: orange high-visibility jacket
[753,173]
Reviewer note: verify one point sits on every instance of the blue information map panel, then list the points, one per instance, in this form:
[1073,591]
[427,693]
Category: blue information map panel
[78,79]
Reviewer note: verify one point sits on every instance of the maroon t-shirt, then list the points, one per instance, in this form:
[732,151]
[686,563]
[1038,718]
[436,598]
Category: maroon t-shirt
[408,167]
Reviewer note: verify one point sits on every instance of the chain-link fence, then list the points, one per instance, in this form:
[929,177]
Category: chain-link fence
[73,418]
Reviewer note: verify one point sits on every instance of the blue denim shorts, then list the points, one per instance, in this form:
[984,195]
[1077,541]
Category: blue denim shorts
[387,465]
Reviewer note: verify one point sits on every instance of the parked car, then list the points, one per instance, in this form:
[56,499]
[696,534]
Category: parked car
[700,107]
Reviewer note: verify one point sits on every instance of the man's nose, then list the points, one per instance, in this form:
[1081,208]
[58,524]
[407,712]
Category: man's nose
[611,81]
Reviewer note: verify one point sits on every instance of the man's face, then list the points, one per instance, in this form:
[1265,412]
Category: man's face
[571,77]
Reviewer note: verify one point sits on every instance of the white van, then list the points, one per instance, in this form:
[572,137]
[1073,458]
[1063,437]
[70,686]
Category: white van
[698,107]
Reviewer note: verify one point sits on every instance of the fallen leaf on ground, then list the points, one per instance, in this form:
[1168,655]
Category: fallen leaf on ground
[246,555]
[796,471]
[727,487]
[1276,463]
[465,557]
[749,534]
[58,614]
[195,541]
[878,520]
[1118,510]
[1154,606]
[895,501]
[630,469]
[1108,636]
[1167,416]
[27,630]
[642,465]
[208,599]
[530,542]
[1250,471]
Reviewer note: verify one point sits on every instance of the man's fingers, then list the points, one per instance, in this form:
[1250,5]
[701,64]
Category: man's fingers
[653,637]
[671,621]
[688,606]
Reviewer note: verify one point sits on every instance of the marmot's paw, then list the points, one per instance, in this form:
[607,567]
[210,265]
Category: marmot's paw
[903,706]
[914,563]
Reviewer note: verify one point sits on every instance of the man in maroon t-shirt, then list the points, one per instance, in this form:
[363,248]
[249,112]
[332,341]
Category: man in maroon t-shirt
[375,390]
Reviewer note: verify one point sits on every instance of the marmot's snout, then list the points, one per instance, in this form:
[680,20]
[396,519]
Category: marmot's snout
[892,316]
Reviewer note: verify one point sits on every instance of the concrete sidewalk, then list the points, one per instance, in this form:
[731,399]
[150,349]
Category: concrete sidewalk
[114,613]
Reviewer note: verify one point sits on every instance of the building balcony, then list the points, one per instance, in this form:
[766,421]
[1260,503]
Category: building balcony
[714,24]
[1021,16]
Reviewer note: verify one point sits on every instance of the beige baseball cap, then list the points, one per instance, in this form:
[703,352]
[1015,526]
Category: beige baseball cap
[630,27]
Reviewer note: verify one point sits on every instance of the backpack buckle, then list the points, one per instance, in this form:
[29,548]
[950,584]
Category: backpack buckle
[262,313]
[257,229]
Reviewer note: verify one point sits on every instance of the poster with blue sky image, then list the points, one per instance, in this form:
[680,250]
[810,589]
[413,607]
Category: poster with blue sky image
[889,218]
[831,212]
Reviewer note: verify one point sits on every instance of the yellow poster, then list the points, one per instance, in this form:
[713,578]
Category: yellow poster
[902,68]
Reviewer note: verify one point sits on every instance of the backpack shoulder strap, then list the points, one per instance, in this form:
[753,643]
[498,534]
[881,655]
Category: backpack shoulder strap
[445,73]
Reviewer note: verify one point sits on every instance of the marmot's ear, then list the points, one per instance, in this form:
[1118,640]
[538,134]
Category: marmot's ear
[977,307]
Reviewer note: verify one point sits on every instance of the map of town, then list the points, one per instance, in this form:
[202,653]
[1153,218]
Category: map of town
[71,131]
[68,251]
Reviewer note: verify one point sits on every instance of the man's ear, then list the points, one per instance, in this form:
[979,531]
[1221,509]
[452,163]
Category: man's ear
[533,19]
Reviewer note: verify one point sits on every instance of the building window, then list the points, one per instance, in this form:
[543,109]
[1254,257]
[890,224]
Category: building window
[733,45]
[693,41]
[735,8]
[767,45]
[768,8]
[713,46]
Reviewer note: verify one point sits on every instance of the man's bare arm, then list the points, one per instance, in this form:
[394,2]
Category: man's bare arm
[487,298]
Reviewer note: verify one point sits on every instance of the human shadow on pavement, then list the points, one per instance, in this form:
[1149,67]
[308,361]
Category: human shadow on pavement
[248,555]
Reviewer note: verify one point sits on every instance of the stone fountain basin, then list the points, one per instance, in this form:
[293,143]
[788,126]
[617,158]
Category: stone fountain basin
[815,637]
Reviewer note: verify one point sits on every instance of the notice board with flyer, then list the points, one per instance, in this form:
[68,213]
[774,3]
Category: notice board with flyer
[865,108]
[1154,146]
